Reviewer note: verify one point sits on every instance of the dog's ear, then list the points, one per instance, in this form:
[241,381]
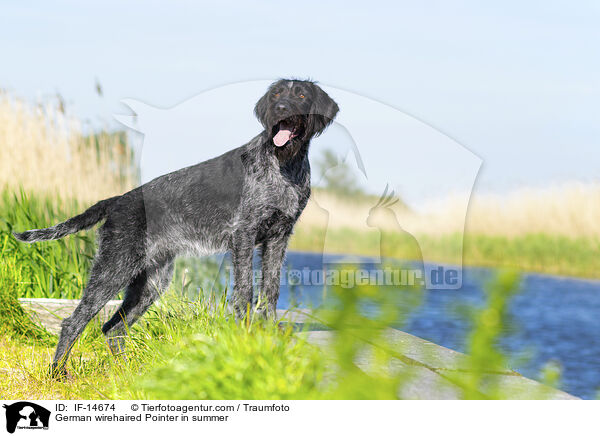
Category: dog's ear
[322,113]
[260,110]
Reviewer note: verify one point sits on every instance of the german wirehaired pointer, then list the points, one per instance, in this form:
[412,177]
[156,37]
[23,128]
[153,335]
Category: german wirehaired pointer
[249,197]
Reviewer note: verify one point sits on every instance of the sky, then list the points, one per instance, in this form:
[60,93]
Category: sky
[514,83]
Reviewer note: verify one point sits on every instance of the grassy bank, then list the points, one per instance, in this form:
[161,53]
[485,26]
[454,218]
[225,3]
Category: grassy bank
[535,252]
[223,359]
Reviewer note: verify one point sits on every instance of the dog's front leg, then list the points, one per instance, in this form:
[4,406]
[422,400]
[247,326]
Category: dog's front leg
[273,252]
[241,253]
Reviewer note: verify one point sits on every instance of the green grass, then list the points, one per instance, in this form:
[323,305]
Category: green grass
[15,323]
[181,349]
[217,358]
[56,269]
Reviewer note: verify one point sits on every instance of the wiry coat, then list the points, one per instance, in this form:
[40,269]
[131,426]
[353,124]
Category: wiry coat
[246,198]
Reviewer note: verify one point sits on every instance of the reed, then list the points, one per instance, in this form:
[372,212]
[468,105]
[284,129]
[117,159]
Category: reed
[45,150]
[571,210]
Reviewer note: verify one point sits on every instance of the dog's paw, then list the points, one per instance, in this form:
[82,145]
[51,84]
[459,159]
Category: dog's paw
[57,372]
[118,346]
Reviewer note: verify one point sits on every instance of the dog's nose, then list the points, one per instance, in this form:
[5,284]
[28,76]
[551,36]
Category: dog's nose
[282,108]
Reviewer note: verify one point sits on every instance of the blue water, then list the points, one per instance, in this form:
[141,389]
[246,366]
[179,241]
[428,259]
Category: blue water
[552,319]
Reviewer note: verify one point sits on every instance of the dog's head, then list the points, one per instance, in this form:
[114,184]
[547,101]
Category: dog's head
[294,111]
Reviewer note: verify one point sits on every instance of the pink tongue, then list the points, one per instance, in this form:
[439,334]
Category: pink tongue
[282,137]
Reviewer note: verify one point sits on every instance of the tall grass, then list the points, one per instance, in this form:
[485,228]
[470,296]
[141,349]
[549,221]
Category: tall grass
[15,323]
[225,359]
[54,269]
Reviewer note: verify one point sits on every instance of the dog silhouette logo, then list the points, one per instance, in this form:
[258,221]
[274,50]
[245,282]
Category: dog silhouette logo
[26,415]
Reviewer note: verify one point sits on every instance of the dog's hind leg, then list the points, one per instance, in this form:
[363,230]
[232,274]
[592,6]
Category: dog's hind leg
[141,293]
[107,278]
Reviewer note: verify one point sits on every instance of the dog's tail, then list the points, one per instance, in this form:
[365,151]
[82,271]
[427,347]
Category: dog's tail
[83,221]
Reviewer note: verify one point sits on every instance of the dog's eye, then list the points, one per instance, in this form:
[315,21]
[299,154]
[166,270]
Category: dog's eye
[301,96]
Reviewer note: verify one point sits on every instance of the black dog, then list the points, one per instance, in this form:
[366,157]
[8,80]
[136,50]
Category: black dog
[250,196]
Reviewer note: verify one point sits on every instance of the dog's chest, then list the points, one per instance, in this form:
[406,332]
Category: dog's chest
[272,190]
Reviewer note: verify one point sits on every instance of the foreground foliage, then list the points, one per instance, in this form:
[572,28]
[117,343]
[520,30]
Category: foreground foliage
[186,349]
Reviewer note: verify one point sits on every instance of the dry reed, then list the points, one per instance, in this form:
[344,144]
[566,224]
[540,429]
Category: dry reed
[44,150]
[571,210]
